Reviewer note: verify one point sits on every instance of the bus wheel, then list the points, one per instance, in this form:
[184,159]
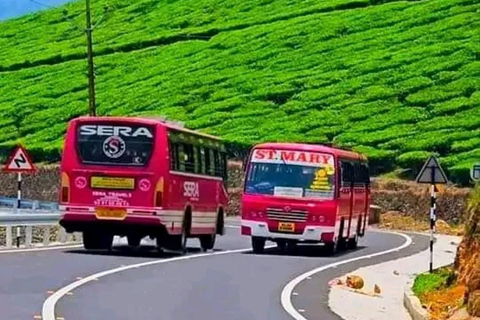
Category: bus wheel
[97,240]
[282,245]
[134,240]
[258,244]
[331,248]
[353,242]
[207,241]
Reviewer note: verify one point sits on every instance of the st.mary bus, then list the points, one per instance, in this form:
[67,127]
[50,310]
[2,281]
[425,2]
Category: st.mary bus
[303,193]
[139,177]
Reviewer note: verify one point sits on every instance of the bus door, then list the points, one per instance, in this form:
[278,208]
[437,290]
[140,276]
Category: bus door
[346,196]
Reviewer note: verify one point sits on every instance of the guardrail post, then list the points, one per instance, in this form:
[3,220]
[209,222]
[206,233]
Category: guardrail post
[46,235]
[9,236]
[62,235]
[28,236]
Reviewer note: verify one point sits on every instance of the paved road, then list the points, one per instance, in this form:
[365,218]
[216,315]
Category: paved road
[231,286]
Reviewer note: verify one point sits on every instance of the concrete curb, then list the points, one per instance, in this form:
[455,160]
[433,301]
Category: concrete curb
[412,303]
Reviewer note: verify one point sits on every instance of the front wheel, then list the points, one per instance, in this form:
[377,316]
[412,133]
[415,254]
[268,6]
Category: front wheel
[207,241]
[352,243]
[258,244]
[331,248]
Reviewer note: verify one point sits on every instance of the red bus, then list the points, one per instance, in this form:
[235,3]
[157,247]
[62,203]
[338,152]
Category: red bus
[302,193]
[139,177]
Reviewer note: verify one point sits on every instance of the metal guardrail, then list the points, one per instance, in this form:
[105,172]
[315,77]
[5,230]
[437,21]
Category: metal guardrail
[31,213]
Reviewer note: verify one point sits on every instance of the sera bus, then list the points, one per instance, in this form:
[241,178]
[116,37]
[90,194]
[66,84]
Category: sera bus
[139,177]
[305,193]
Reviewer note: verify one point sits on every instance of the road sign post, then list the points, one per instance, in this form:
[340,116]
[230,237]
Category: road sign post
[19,162]
[475,172]
[433,174]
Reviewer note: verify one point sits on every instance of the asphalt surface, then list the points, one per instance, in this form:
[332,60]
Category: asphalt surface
[231,286]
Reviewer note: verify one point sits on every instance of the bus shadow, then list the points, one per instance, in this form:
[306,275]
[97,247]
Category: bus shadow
[139,252]
[306,251]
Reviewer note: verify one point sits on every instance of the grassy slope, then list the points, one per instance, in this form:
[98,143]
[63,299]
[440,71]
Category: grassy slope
[395,80]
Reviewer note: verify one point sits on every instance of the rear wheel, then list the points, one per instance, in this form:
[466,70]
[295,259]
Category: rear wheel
[281,244]
[134,240]
[207,241]
[179,242]
[258,244]
[95,240]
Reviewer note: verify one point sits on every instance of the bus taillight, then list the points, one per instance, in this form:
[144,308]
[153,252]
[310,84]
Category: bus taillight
[159,193]
[65,192]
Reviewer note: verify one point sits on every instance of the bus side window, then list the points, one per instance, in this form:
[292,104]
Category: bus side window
[174,161]
[189,162]
[359,179]
[211,169]
[347,174]
[365,174]
[203,162]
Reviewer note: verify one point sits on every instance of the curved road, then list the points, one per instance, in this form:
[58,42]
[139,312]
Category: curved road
[231,285]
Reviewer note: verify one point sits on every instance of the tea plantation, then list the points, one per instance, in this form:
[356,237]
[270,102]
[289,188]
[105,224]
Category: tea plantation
[394,79]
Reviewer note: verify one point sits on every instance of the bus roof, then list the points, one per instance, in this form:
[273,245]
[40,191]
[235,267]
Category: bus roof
[311,148]
[146,120]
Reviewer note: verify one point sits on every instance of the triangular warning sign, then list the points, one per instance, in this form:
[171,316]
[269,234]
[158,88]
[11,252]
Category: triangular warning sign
[19,161]
[432,172]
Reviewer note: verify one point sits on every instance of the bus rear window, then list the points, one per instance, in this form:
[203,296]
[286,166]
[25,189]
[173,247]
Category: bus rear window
[115,144]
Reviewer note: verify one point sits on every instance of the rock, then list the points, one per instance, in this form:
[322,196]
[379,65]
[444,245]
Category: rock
[473,306]
[461,314]
[355,282]
[377,289]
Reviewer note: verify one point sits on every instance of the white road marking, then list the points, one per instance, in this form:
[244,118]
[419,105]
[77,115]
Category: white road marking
[48,310]
[288,289]
[41,249]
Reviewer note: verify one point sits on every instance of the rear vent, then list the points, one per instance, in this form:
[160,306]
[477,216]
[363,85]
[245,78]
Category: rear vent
[291,216]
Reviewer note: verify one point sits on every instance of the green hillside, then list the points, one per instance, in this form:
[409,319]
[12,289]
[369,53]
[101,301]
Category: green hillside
[394,79]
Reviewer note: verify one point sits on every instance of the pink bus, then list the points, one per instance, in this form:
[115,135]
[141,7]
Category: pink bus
[139,177]
[302,193]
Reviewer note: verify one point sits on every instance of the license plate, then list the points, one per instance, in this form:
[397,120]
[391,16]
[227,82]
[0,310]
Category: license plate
[107,213]
[286,226]
[113,183]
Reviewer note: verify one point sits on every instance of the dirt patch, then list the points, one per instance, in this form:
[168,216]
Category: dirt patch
[399,221]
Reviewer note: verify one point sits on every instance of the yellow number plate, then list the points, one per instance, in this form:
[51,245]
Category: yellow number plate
[113,183]
[286,226]
[105,213]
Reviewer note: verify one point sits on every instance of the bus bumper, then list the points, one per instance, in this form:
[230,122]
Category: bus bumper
[310,233]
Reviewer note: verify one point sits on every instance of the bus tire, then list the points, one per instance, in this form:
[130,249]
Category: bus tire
[207,241]
[281,245]
[331,248]
[353,243]
[341,241]
[179,242]
[134,240]
[258,244]
[220,227]
[97,240]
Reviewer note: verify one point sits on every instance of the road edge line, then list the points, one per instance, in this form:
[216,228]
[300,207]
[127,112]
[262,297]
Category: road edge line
[286,295]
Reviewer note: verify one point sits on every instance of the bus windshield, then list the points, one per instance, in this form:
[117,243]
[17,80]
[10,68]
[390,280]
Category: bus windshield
[115,144]
[280,178]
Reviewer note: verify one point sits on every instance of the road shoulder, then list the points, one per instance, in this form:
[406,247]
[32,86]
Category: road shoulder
[391,277]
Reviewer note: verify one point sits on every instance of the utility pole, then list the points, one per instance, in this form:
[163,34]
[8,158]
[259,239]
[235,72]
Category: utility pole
[91,75]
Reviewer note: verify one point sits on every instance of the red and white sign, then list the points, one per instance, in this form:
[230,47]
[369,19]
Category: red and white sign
[80,182]
[304,158]
[144,185]
[19,161]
